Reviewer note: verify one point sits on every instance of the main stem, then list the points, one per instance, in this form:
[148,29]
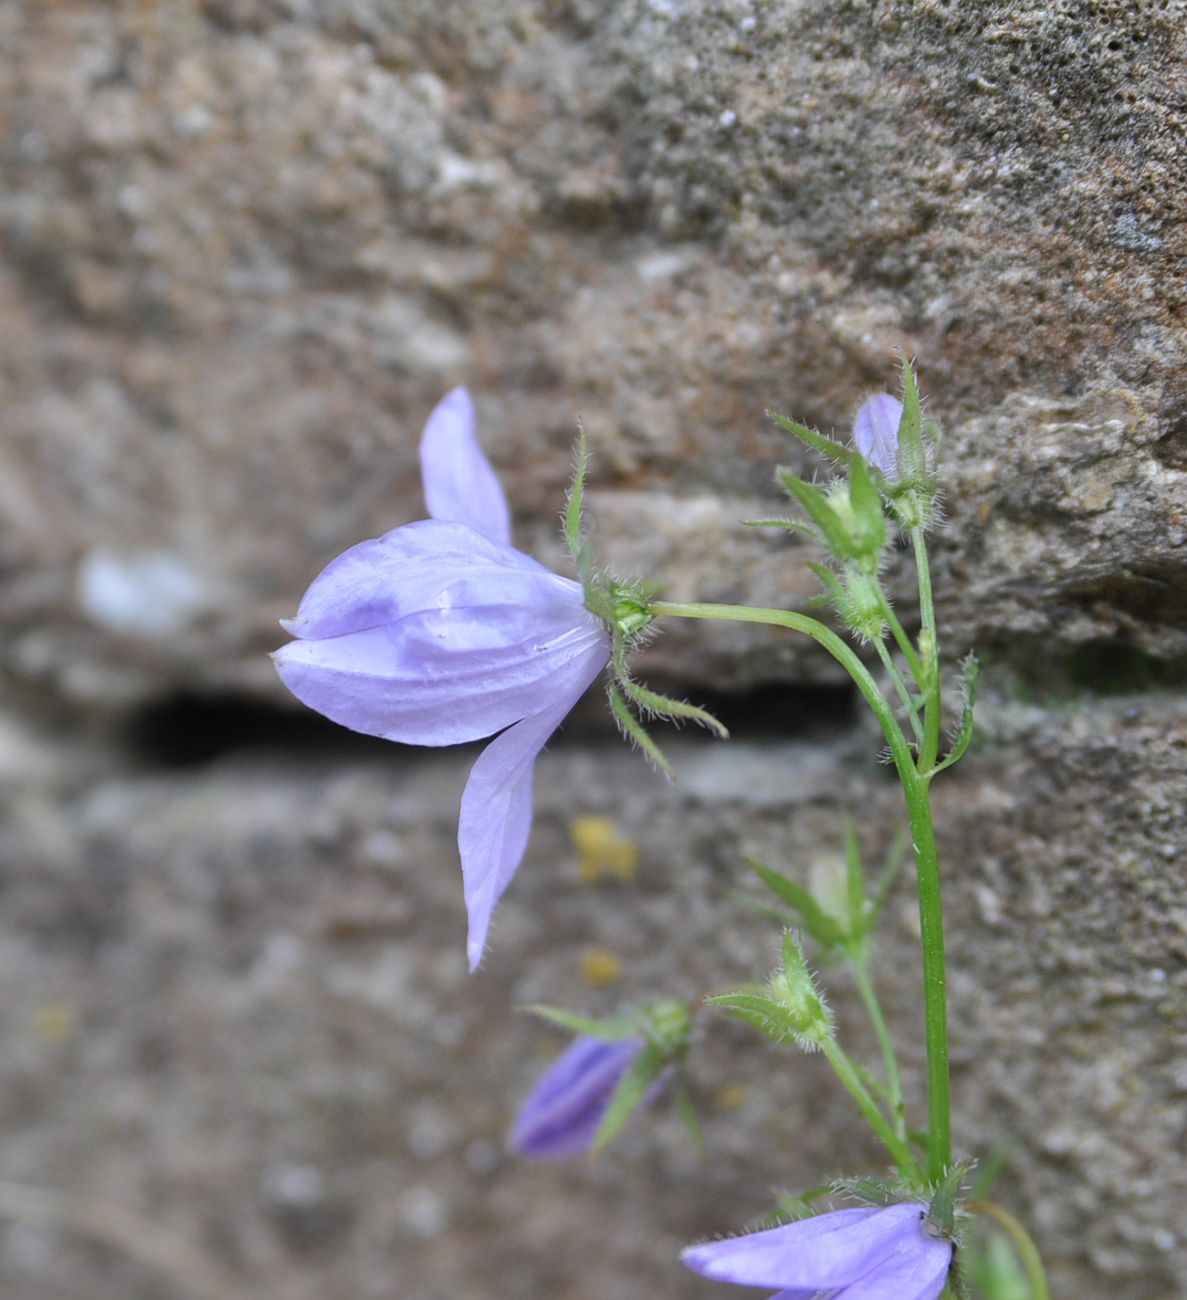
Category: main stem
[915,791]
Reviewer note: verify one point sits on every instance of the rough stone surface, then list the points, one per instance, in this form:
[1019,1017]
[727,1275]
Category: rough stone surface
[236,1003]
[246,245]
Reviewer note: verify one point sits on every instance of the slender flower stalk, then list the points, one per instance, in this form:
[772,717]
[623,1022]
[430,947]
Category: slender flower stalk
[915,792]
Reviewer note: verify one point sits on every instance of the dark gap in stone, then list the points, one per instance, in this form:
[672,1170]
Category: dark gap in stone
[1101,668]
[191,730]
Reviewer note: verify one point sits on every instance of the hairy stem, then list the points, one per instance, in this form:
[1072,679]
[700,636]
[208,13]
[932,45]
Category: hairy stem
[915,792]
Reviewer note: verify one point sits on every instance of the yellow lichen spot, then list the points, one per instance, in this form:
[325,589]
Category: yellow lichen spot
[54,1022]
[602,850]
[600,968]
[731,1097]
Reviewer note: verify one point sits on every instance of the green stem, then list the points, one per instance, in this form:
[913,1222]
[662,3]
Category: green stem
[929,647]
[915,792]
[894,1086]
[1028,1252]
[899,1150]
[901,639]
[909,706]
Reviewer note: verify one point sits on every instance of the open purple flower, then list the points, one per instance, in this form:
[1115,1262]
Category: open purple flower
[564,1111]
[440,632]
[875,431]
[866,1254]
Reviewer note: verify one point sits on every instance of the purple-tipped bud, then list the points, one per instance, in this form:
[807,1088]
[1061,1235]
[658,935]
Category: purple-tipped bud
[562,1114]
[875,431]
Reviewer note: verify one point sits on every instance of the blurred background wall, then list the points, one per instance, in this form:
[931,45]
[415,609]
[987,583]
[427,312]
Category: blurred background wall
[246,244]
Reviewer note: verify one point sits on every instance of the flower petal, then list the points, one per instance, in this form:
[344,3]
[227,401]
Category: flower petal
[561,1115]
[445,677]
[875,431]
[459,483]
[917,1270]
[413,568]
[496,812]
[831,1250]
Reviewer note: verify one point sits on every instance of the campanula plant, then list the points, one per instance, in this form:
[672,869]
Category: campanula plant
[441,632]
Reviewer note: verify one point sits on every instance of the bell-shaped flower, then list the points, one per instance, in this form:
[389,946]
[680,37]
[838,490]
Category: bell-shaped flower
[875,432]
[894,1253]
[439,633]
[564,1111]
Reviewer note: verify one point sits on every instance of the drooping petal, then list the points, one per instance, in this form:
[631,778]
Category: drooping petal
[561,1115]
[875,431]
[496,812]
[831,1250]
[413,568]
[460,485]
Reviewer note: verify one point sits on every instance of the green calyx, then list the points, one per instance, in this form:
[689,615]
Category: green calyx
[630,610]
[625,608]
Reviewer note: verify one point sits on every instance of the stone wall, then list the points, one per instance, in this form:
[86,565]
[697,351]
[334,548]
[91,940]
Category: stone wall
[246,244]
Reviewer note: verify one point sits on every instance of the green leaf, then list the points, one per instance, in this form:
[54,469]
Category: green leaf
[942,1210]
[817,508]
[818,442]
[870,1191]
[633,728]
[855,885]
[788,525]
[912,459]
[758,1011]
[970,668]
[867,507]
[573,529]
[630,1094]
[822,927]
[611,1029]
[832,584]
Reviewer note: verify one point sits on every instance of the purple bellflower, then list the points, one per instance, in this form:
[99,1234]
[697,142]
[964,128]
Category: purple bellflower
[440,632]
[875,431]
[866,1254]
[564,1111]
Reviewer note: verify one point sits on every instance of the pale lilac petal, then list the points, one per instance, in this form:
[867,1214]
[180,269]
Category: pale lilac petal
[496,812]
[471,637]
[562,1113]
[413,568]
[460,485]
[831,1250]
[917,1270]
[875,431]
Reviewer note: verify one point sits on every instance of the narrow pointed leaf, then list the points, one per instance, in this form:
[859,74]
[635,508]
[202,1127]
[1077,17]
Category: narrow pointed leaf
[822,927]
[576,500]
[832,584]
[611,1029]
[817,508]
[630,1094]
[633,728]
[788,525]
[817,441]
[971,668]
[912,460]
[855,885]
[867,506]
[894,864]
